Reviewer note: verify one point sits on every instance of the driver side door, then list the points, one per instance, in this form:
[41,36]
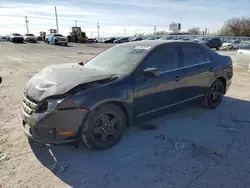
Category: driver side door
[156,93]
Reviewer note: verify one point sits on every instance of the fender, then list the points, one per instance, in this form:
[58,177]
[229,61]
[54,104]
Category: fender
[124,105]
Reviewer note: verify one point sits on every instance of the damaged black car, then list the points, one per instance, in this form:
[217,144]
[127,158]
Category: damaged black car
[95,101]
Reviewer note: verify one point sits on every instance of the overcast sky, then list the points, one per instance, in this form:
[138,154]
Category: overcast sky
[116,15]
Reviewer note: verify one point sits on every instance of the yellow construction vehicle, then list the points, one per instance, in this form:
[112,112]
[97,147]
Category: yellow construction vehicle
[76,35]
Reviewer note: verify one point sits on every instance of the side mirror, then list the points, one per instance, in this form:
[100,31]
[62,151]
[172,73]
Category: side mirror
[151,72]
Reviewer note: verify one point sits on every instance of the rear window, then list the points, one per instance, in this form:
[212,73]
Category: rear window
[193,55]
[16,34]
[245,45]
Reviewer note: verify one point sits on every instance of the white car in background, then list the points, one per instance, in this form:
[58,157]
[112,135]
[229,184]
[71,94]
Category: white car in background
[231,45]
[29,37]
[243,54]
[16,38]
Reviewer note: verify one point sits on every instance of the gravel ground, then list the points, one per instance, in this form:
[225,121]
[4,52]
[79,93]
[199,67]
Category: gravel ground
[192,147]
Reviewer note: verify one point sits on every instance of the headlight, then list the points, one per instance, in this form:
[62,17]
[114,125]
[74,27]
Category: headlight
[52,104]
[48,105]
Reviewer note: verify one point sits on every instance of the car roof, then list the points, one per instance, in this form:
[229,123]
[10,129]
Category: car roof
[154,43]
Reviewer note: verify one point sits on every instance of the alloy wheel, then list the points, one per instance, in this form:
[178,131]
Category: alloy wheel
[105,128]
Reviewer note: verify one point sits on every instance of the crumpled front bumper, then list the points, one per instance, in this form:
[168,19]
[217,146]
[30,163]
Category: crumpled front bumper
[53,128]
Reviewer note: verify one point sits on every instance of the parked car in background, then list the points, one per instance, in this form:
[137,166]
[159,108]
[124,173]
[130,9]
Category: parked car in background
[90,40]
[56,39]
[122,40]
[29,38]
[109,40]
[3,39]
[243,54]
[199,40]
[16,38]
[213,43]
[95,101]
[166,38]
[230,45]
[132,39]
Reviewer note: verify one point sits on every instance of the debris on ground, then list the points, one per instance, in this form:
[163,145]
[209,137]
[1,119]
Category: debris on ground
[162,137]
[59,167]
[4,158]
[218,154]
[180,145]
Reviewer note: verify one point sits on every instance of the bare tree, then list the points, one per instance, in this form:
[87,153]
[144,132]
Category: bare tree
[236,27]
[194,30]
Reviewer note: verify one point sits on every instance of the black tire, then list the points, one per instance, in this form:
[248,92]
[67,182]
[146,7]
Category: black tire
[214,95]
[217,48]
[97,130]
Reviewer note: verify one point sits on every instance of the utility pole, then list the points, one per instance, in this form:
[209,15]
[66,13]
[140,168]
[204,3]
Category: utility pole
[27,21]
[98,28]
[76,23]
[124,32]
[154,29]
[136,31]
[56,21]
[91,34]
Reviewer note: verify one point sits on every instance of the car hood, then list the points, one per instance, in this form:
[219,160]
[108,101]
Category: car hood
[58,79]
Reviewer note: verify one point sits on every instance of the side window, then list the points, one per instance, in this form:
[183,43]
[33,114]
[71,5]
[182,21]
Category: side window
[193,55]
[164,58]
[245,46]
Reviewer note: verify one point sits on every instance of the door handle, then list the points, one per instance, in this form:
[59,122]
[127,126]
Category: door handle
[240,52]
[211,69]
[177,78]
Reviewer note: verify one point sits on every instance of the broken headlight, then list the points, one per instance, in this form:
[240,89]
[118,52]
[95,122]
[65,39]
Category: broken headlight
[48,105]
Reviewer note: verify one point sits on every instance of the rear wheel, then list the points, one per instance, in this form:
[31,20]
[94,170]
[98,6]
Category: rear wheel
[104,127]
[214,95]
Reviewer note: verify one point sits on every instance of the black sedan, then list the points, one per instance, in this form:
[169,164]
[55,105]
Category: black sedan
[95,101]
[122,40]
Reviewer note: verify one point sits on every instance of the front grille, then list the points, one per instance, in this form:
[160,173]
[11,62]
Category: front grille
[29,106]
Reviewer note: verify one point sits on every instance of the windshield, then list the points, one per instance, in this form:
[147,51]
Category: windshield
[30,35]
[16,34]
[120,59]
[58,35]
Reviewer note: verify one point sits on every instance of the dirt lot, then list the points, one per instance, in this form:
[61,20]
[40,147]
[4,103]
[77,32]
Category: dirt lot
[193,147]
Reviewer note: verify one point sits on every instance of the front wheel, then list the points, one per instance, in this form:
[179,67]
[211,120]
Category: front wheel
[214,95]
[104,127]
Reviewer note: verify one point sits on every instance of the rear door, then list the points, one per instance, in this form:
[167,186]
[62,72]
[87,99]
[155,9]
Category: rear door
[243,54]
[158,92]
[198,70]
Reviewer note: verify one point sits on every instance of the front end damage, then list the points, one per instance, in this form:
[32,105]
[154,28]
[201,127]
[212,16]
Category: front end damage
[55,114]
[51,121]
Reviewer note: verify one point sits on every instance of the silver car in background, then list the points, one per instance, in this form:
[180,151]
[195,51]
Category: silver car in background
[243,54]
[29,38]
